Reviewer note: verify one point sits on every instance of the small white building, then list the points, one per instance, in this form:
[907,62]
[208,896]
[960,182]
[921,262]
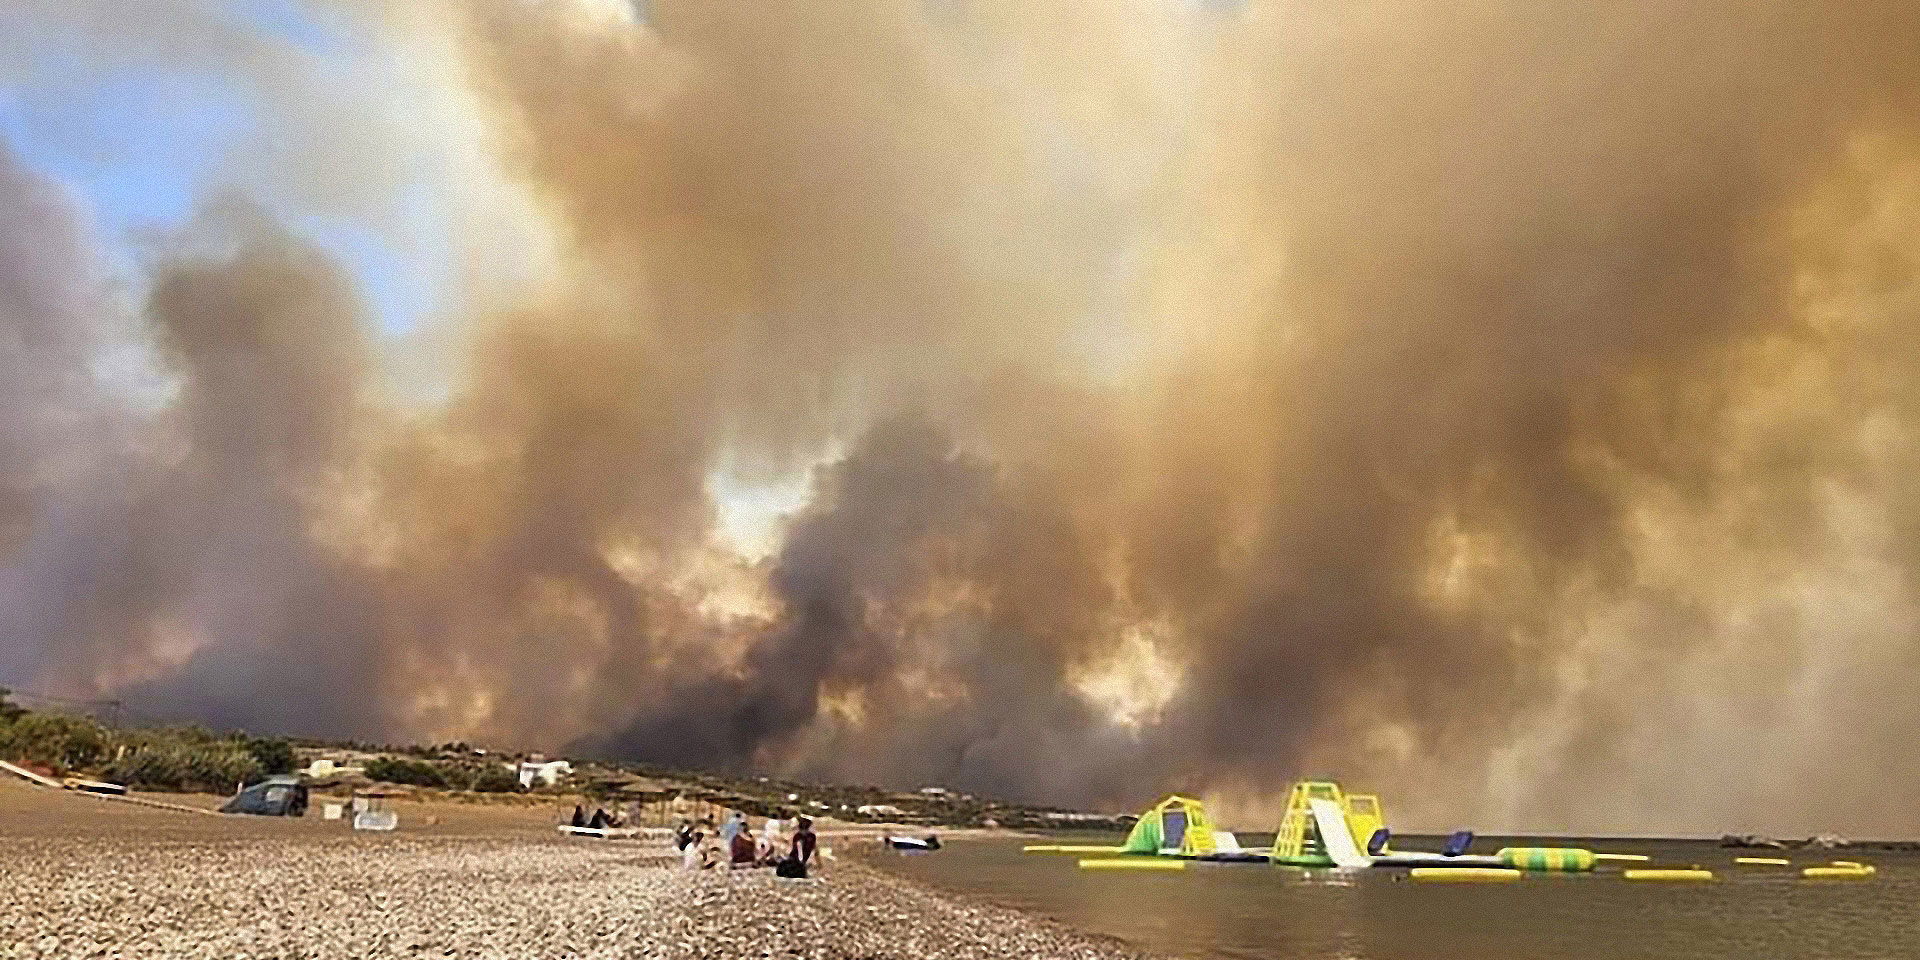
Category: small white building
[878,810]
[326,768]
[546,773]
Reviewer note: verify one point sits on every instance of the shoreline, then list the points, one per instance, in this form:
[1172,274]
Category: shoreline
[93,878]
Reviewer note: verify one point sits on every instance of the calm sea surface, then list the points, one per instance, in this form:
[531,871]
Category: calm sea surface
[1254,910]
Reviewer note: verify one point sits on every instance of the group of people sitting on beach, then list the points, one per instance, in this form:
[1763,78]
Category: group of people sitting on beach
[600,820]
[734,845]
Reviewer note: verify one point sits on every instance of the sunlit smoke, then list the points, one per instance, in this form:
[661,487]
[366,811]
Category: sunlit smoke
[1508,410]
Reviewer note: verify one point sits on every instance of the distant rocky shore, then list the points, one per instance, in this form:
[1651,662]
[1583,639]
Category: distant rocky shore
[1822,841]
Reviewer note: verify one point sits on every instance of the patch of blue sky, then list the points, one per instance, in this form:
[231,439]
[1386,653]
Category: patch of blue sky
[144,147]
[402,285]
[139,149]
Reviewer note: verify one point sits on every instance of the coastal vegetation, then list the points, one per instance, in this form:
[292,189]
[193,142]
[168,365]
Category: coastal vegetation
[161,758]
[189,758]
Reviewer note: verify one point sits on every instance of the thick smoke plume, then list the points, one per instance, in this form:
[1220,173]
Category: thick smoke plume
[1509,409]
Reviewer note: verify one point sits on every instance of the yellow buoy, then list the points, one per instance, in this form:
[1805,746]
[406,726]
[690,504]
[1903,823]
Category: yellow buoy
[1677,875]
[1837,873]
[1041,848]
[1133,863]
[1764,861]
[1626,857]
[1466,874]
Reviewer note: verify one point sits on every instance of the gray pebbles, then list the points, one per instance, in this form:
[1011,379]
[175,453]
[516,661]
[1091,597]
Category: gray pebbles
[301,892]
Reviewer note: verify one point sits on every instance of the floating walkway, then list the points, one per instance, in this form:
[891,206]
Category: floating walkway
[1133,863]
[1670,876]
[1464,874]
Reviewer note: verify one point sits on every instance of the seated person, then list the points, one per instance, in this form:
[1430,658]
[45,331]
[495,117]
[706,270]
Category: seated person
[700,853]
[801,853]
[772,844]
[740,850]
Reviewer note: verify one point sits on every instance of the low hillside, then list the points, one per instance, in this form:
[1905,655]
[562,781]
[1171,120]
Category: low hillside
[198,760]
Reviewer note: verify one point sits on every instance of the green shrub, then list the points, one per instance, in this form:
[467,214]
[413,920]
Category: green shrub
[214,768]
[274,753]
[9,711]
[495,778]
[418,773]
[150,767]
[54,740]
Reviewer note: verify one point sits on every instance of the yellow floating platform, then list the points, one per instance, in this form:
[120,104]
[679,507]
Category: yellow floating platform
[1671,875]
[1764,861]
[1067,848]
[1466,874]
[1623,857]
[1133,863]
[1837,873]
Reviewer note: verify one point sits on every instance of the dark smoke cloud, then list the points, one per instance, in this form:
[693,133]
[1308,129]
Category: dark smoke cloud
[1509,411]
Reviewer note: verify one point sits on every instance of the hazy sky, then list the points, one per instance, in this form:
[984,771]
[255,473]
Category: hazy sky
[1508,409]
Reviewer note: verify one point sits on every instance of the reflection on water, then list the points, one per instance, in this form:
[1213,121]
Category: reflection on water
[1249,910]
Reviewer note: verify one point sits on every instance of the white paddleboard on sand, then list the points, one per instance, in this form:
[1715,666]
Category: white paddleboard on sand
[1335,836]
[603,833]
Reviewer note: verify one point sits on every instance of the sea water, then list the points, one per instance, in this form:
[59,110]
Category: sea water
[1255,910]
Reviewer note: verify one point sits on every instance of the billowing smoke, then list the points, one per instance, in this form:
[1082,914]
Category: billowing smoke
[1511,410]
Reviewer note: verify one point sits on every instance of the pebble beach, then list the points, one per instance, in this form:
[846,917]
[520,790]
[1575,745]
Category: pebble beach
[95,878]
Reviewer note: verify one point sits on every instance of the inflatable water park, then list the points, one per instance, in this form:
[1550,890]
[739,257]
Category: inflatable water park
[1326,828]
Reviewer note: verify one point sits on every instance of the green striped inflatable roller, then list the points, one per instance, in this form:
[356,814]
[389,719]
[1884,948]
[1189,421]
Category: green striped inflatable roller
[1559,859]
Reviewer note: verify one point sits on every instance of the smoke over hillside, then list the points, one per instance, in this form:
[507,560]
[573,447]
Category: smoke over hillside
[1511,410]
